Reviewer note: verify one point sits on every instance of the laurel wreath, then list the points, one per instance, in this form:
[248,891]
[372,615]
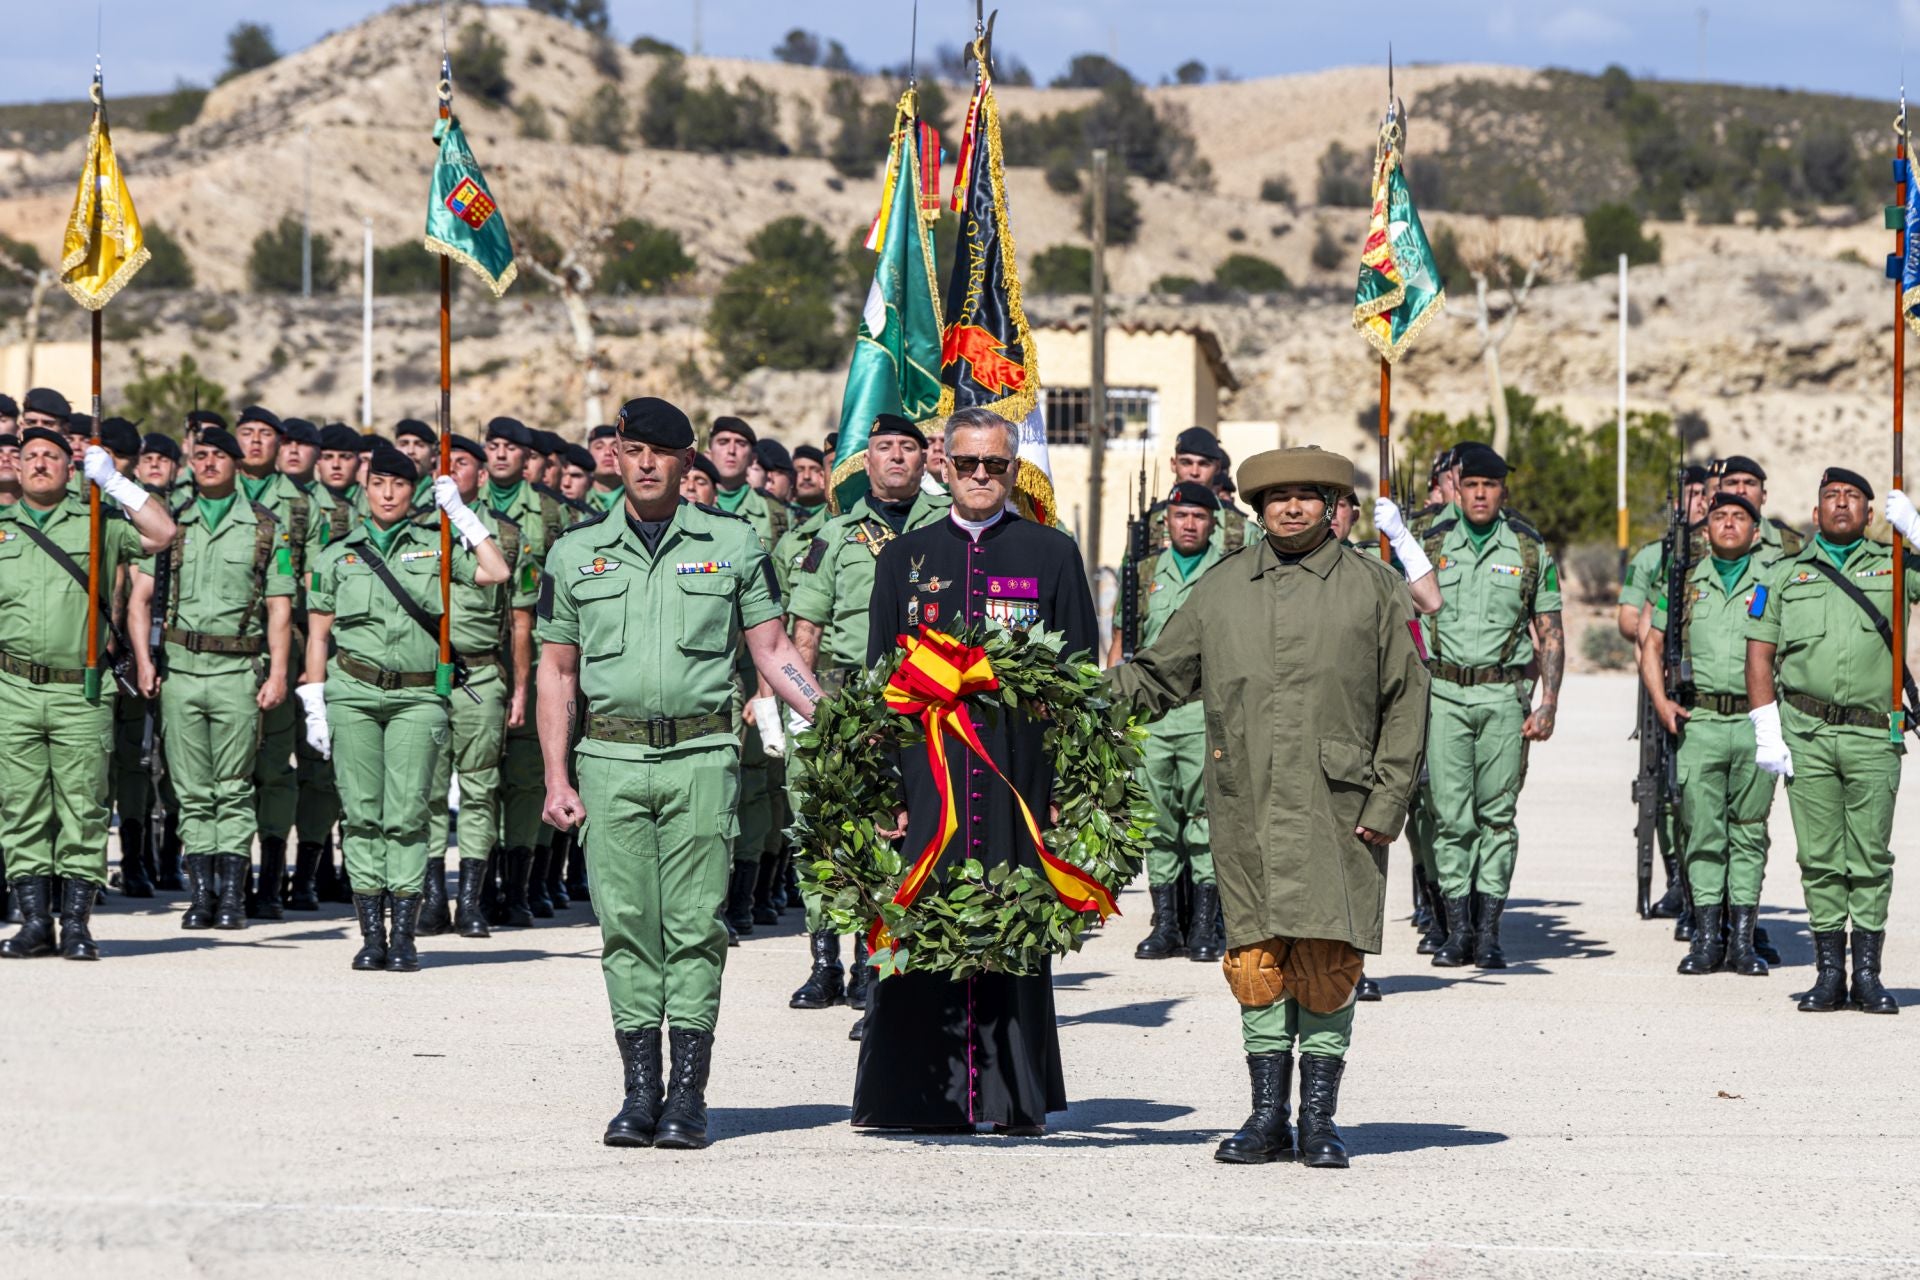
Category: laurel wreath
[970,919]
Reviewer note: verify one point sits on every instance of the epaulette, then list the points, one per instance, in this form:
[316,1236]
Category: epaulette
[815,554]
[716,511]
[1521,524]
[1443,526]
[594,519]
[177,512]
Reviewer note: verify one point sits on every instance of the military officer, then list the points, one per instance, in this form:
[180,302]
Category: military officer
[832,588]
[54,743]
[643,610]
[492,632]
[1501,615]
[229,602]
[1300,852]
[1819,643]
[1724,796]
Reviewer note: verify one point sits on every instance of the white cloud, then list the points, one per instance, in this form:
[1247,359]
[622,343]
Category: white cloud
[1580,27]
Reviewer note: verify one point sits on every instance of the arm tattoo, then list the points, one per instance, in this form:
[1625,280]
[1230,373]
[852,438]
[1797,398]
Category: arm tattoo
[807,691]
[1553,653]
[573,719]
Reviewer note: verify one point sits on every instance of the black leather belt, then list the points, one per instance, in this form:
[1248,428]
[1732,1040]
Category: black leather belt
[1470,676]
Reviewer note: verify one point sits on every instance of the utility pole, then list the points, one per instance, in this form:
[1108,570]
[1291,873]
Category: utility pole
[1700,70]
[1097,382]
[306,212]
[366,326]
[1620,443]
[696,28]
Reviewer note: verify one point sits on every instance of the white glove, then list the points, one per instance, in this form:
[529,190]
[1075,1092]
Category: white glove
[797,724]
[1769,744]
[446,496]
[1413,557]
[313,697]
[99,468]
[1900,513]
[766,718]
[1387,519]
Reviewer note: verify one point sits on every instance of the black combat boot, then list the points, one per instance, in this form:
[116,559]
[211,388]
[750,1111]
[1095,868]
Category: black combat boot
[1423,896]
[76,908]
[557,871]
[764,912]
[371,910]
[740,897]
[1829,990]
[860,979]
[1458,948]
[235,868]
[326,877]
[1709,949]
[305,895]
[1267,1134]
[824,987]
[402,956]
[32,895]
[1206,935]
[519,868]
[539,905]
[577,871]
[640,1077]
[199,912]
[1869,995]
[1672,904]
[342,887]
[1436,935]
[168,857]
[266,903]
[134,881]
[1763,945]
[1320,1143]
[858,1029]
[435,919]
[1683,924]
[1742,956]
[683,1120]
[1165,941]
[493,893]
[1486,935]
[472,918]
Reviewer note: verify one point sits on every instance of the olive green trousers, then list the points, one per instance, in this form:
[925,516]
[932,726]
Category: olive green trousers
[1172,768]
[54,748]
[1724,799]
[1841,795]
[211,725]
[1476,763]
[385,748]
[476,743]
[1282,1025]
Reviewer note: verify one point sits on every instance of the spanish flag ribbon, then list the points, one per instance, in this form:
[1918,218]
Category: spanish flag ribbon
[933,681]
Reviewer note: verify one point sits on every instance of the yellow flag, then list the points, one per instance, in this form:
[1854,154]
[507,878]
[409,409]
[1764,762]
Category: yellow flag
[104,246]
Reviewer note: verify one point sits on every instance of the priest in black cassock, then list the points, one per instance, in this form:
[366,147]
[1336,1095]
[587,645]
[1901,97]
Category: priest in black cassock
[939,1053]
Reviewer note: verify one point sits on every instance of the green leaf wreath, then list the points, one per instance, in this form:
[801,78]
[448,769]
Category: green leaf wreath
[968,919]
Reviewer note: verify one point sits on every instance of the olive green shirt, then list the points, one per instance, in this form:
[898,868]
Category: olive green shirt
[1715,622]
[791,551]
[214,582]
[659,633]
[369,624]
[770,518]
[1486,602]
[1825,645]
[43,610]
[835,580]
[480,613]
[541,519]
[1641,582]
[308,518]
[1167,592]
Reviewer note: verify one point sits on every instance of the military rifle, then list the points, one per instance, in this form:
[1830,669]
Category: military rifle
[1131,568]
[1656,785]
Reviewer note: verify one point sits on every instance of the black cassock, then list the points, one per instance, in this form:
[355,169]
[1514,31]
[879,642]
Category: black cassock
[936,1052]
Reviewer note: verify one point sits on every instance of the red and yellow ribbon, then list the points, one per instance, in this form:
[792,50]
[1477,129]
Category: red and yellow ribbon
[933,681]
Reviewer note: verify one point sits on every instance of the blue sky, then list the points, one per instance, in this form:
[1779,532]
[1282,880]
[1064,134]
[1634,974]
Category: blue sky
[1846,46]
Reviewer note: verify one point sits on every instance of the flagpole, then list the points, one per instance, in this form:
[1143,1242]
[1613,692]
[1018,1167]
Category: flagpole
[91,680]
[1620,428]
[443,679]
[1386,447]
[1896,720]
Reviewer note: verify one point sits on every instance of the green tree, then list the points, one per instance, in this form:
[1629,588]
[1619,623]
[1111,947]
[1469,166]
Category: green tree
[479,64]
[1250,273]
[1064,268]
[1278,190]
[532,114]
[643,258]
[651,45]
[602,121]
[162,396]
[273,266]
[590,15]
[1344,183]
[1192,71]
[177,110]
[1328,253]
[676,116]
[1611,230]
[1123,211]
[249,47]
[799,48]
[1092,71]
[167,266]
[407,267]
[781,308]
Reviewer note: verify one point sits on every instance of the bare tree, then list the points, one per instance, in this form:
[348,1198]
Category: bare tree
[568,250]
[38,279]
[1506,257]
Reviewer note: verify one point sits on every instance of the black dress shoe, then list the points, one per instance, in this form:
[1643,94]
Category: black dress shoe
[1366,989]
[640,1078]
[859,1028]
[1267,1134]
[683,1120]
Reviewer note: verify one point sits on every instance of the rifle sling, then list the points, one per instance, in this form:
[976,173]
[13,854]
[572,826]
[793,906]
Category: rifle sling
[1880,624]
[73,569]
[429,623]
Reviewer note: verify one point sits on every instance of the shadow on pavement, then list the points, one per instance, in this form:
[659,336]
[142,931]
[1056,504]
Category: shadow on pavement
[111,947]
[1077,979]
[755,1122]
[1387,1137]
[436,959]
[1093,1122]
[1533,930]
[1142,1013]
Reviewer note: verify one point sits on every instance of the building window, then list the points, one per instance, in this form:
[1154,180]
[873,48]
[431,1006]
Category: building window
[1131,412]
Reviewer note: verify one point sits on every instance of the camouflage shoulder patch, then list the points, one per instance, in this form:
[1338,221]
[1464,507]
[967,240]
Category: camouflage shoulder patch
[816,553]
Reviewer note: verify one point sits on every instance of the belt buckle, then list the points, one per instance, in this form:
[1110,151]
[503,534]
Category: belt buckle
[660,732]
[389,681]
[37,674]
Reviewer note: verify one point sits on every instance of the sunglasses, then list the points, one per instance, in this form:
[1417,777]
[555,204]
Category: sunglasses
[965,464]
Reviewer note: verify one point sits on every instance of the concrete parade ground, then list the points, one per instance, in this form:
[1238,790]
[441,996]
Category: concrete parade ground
[243,1105]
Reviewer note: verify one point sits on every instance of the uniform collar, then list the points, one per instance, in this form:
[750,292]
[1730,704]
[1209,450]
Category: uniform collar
[1209,556]
[1319,561]
[687,521]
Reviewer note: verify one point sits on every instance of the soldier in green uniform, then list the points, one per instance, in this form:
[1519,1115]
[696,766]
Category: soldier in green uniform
[158,467]
[342,450]
[832,587]
[421,444]
[603,442]
[9,416]
[576,477]
[54,743]
[1296,642]
[374,595]
[9,467]
[1645,577]
[493,633]
[809,480]
[229,603]
[299,452]
[701,484]
[730,447]
[1742,476]
[1724,796]
[644,610]
[1502,615]
[1198,457]
[1819,642]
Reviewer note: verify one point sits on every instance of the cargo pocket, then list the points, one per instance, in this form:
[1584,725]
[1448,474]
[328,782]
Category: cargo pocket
[601,603]
[1222,761]
[706,613]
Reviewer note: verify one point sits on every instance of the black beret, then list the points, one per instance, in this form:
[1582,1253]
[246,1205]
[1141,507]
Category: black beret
[892,424]
[833,442]
[165,446]
[735,425]
[337,437]
[415,427]
[512,430]
[773,456]
[467,444]
[576,455]
[48,401]
[1479,461]
[1693,473]
[1199,442]
[704,465]
[31,434]
[1743,466]
[650,420]
[205,418]
[1734,500]
[547,441]
[1840,475]
[300,431]
[8,409]
[79,424]
[1190,493]
[222,439]
[808,453]
[254,413]
[389,461]
[1443,461]
[8,440]
[120,437]
[605,431]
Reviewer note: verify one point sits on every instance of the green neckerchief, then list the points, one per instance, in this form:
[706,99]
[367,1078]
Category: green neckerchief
[254,488]
[809,512]
[39,518]
[731,502]
[383,539]
[501,497]
[1186,564]
[1730,570]
[1477,535]
[214,510]
[1837,554]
